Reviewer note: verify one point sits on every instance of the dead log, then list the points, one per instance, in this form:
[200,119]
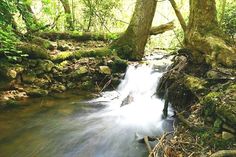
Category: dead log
[78,36]
[53,36]
[162,28]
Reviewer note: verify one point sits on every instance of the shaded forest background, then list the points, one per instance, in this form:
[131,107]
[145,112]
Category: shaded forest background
[25,17]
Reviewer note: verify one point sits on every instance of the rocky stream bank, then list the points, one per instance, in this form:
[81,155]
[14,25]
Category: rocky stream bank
[57,66]
[205,102]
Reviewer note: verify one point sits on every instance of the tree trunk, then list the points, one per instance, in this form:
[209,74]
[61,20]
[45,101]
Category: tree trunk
[178,14]
[69,17]
[132,43]
[27,15]
[204,37]
[222,11]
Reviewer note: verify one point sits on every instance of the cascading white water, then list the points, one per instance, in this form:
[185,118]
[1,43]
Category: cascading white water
[131,110]
[135,101]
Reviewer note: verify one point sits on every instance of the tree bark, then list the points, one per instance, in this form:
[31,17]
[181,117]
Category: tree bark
[179,15]
[132,43]
[222,11]
[204,37]
[69,17]
[27,15]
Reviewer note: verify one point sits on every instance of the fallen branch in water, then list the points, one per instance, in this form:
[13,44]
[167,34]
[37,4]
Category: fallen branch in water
[158,145]
[224,153]
[147,144]
[106,85]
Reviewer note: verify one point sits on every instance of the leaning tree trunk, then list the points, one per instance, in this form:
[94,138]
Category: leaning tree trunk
[27,15]
[205,38]
[69,17]
[132,43]
[178,14]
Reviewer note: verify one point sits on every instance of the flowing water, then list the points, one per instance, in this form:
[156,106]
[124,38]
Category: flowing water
[71,125]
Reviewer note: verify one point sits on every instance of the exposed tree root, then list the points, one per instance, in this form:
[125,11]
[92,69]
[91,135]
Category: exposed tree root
[224,153]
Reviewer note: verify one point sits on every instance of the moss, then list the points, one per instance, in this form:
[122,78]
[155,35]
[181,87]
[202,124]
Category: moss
[43,42]
[78,36]
[209,102]
[208,138]
[33,51]
[218,124]
[63,56]
[98,52]
[194,84]
[87,85]
[118,65]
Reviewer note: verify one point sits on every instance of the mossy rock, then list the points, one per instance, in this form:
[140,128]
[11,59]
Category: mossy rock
[118,65]
[45,65]
[58,88]
[104,70]
[10,71]
[222,104]
[195,84]
[43,43]
[36,92]
[81,71]
[29,77]
[87,86]
[33,51]
[210,102]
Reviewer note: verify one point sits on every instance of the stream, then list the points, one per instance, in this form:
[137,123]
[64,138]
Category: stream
[73,124]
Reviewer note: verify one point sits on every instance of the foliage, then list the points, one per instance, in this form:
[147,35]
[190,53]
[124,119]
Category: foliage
[7,8]
[176,42]
[8,40]
[99,13]
[27,14]
[229,20]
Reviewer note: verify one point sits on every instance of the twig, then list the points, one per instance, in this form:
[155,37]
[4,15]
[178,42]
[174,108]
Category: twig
[105,86]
